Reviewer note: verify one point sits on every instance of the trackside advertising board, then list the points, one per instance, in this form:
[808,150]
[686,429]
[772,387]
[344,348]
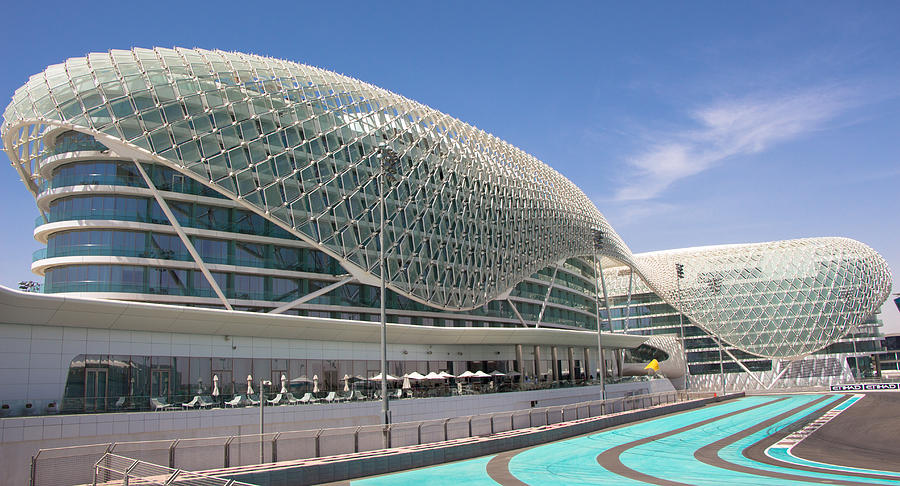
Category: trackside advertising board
[866,387]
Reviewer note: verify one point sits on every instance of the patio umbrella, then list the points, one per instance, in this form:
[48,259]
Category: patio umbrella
[481,374]
[466,374]
[497,373]
[215,391]
[346,383]
[434,376]
[283,384]
[249,384]
[406,385]
[315,383]
[415,375]
[446,375]
[389,378]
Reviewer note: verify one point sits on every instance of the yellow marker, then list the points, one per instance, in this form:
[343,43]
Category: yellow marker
[653,365]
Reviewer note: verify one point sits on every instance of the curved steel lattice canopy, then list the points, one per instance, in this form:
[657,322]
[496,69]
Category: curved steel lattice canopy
[782,299]
[468,215]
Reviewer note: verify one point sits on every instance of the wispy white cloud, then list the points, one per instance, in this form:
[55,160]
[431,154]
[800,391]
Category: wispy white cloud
[726,129]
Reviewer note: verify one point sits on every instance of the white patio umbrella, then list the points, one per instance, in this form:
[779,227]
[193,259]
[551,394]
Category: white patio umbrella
[406,385]
[346,383]
[415,375]
[249,384]
[466,374]
[434,376]
[389,378]
[283,384]
[315,383]
[446,375]
[481,374]
[215,391]
[497,373]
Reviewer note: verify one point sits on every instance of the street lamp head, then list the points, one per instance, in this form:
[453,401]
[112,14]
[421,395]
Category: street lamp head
[266,382]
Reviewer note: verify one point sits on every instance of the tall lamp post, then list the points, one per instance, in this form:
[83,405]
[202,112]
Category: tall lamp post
[389,164]
[716,285]
[601,365]
[262,428]
[679,274]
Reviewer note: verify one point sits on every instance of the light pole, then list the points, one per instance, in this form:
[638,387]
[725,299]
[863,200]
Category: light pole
[262,427]
[679,274]
[388,165]
[716,285]
[601,365]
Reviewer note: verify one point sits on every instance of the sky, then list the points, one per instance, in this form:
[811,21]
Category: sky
[688,124]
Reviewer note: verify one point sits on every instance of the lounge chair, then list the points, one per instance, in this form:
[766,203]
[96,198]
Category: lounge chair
[237,401]
[331,397]
[194,403]
[253,400]
[357,395]
[347,397]
[291,399]
[307,398]
[278,400]
[207,402]
[120,403]
[161,404]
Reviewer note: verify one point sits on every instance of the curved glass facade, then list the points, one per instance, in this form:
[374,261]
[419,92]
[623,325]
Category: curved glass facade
[474,226]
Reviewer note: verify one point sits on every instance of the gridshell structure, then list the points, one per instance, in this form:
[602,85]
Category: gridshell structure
[468,216]
[783,299]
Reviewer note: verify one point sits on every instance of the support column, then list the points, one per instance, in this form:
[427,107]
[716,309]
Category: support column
[571,364]
[587,364]
[554,363]
[520,363]
[537,364]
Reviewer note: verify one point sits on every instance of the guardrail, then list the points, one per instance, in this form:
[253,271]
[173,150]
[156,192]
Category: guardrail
[113,469]
[68,466]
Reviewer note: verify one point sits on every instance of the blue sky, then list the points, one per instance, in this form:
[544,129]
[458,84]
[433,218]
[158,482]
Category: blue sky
[687,123]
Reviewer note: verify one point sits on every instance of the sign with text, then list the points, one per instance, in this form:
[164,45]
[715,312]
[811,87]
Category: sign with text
[866,387]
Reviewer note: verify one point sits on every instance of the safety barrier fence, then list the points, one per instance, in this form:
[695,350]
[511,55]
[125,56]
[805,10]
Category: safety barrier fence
[68,466]
[116,470]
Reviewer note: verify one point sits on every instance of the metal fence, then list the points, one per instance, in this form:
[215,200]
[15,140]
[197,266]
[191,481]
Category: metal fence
[113,469]
[68,466]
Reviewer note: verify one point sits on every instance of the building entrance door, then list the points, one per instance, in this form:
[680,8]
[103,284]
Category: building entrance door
[95,389]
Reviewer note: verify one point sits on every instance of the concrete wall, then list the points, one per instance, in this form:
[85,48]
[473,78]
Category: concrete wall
[21,437]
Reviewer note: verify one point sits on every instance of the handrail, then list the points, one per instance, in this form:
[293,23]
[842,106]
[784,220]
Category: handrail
[348,439]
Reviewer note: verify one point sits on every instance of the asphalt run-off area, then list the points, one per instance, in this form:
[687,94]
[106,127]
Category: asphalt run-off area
[772,439]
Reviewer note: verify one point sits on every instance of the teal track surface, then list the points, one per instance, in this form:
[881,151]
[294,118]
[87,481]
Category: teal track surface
[669,458]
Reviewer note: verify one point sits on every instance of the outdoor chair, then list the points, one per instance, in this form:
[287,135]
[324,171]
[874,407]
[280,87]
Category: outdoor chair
[120,403]
[291,399]
[278,400]
[357,395]
[194,403]
[331,397]
[253,400]
[347,397]
[235,402]
[307,398]
[207,402]
[161,404]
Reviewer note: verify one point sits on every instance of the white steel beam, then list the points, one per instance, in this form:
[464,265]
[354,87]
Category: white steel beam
[184,238]
[312,295]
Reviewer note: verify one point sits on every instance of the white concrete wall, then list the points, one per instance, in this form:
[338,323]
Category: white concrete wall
[21,437]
